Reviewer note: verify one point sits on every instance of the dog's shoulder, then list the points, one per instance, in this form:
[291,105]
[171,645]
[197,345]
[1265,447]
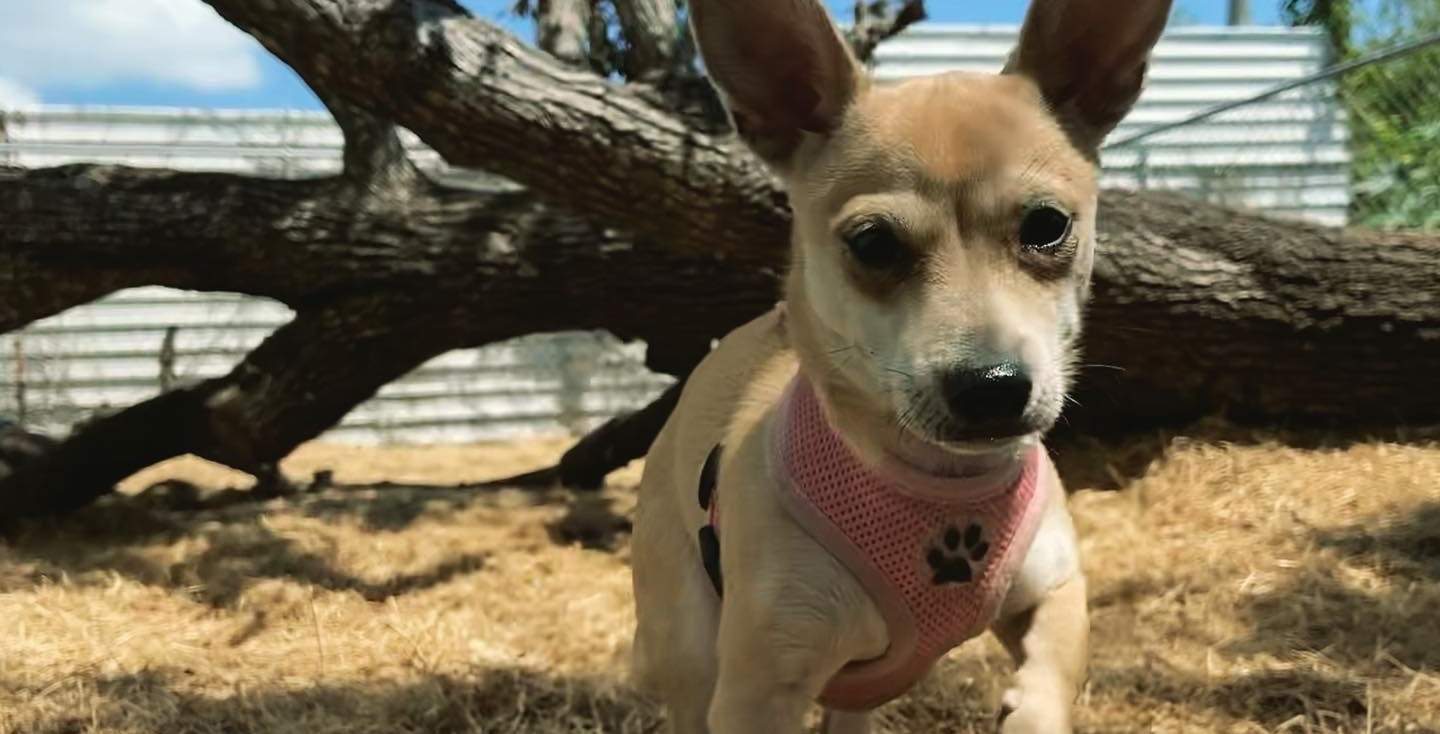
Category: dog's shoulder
[731,389]
[749,366]
[742,353]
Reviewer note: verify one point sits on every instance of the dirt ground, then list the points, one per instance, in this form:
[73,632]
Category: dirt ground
[1239,584]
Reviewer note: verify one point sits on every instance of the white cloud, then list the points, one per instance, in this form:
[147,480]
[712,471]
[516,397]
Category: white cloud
[14,94]
[94,42]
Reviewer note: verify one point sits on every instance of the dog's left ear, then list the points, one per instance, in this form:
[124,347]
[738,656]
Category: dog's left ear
[1089,59]
[781,66]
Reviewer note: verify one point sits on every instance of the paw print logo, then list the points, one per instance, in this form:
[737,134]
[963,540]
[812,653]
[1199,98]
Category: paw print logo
[953,561]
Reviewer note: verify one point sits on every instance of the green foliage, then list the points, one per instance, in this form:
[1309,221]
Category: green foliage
[1395,129]
[1392,107]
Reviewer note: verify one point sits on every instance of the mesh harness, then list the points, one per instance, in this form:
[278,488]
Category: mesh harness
[936,554]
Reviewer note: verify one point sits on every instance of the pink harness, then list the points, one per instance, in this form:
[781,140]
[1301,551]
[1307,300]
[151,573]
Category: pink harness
[936,554]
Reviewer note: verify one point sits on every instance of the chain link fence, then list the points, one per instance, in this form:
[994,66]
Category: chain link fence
[1356,144]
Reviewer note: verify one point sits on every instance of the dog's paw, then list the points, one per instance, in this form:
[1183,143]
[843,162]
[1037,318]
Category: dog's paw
[954,559]
[1036,718]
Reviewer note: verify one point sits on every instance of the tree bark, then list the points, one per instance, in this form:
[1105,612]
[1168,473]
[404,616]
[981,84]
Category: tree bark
[1209,310]
[877,20]
[651,31]
[614,444]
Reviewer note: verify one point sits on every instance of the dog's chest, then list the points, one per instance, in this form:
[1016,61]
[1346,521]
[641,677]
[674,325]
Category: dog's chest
[937,568]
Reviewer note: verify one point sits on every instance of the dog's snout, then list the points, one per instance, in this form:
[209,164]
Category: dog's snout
[988,400]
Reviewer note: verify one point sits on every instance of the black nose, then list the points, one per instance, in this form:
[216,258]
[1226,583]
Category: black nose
[989,400]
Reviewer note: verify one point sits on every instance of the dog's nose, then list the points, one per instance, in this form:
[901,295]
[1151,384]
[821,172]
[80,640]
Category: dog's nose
[988,400]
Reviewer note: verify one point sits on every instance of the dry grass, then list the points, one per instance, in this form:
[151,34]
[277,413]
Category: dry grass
[1237,587]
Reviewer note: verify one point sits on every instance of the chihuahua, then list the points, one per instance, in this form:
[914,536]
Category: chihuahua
[853,484]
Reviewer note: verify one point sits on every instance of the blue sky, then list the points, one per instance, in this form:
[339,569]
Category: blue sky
[178,53]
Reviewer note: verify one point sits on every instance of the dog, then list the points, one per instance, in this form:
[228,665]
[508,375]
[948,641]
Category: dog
[853,484]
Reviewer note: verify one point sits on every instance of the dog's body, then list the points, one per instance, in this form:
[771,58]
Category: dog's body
[943,240]
[826,619]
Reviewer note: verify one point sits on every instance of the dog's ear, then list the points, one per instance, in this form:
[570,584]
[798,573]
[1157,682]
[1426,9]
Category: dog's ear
[781,66]
[1089,59]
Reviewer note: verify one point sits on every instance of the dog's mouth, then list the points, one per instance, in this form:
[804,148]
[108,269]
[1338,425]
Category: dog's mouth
[961,458]
[984,438]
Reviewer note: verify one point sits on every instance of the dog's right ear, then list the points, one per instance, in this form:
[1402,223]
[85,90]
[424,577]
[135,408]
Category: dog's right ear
[781,66]
[1088,58]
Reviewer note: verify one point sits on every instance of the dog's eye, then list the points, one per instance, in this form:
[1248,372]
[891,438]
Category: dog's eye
[1044,228]
[875,245]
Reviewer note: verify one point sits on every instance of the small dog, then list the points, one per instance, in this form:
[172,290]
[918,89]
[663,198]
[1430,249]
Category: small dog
[853,484]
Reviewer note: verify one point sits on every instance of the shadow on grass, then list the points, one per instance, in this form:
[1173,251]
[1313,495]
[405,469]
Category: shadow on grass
[1357,609]
[592,522]
[495,700]
[1408,547]
[234,548]
[1333,626]
[1273,699]
[1362,625]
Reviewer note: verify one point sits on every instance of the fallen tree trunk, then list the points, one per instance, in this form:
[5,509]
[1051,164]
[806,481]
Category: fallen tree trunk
[1200,311]
[1206,310]
[1196,309]
[378,290]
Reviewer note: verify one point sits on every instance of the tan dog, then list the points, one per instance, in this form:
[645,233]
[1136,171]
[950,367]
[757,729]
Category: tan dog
[943,240]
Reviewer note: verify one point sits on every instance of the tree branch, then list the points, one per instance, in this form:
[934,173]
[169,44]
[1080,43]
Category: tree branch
[562,27]
[430,67]
[651,31]
[94,229]
[374,159]
[614,444]
[483,99]
[295,385]
[879,20]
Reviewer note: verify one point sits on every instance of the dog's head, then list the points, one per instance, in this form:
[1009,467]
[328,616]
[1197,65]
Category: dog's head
[944,226]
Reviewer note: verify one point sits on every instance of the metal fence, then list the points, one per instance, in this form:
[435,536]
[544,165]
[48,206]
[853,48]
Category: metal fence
[1356,143]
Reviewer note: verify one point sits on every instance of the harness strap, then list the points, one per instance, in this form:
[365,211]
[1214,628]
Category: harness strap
[709,537]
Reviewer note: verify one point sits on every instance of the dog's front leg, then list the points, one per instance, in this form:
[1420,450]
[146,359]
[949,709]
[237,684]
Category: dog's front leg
[846,722]
[782,640]
[1050,645]
[766,683]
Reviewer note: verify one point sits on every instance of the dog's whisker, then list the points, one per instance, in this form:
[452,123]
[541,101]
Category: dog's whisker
[914,403]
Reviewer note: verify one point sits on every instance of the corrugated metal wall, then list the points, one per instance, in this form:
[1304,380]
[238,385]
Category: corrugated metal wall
[108,354]
[1286,156]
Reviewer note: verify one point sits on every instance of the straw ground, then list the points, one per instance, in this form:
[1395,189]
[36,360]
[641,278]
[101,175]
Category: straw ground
[1239,584]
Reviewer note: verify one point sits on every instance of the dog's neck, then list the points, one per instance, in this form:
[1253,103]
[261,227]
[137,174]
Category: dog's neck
[806,434]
